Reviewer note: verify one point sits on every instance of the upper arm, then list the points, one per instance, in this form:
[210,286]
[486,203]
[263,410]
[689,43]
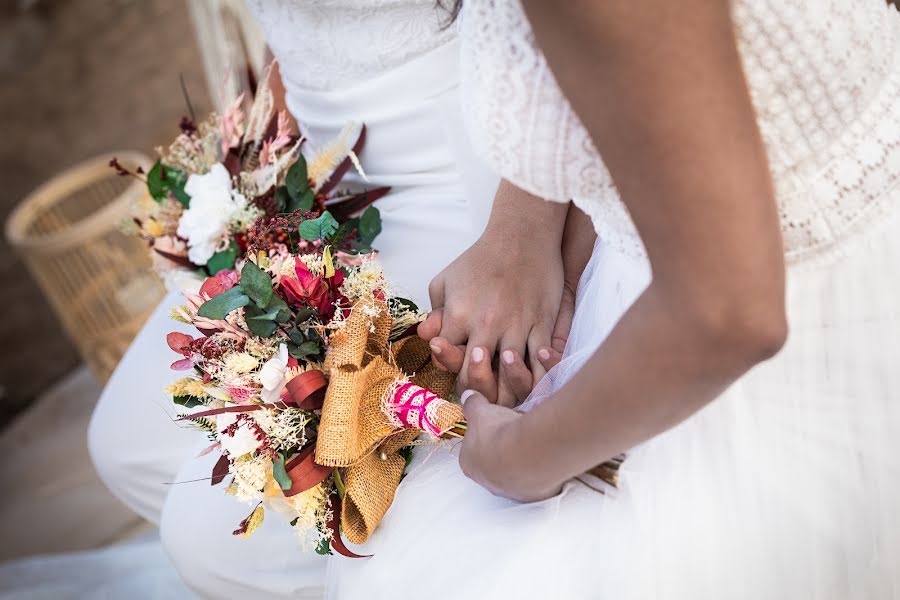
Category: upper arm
[660,87]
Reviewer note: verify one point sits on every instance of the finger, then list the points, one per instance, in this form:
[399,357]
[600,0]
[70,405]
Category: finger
[488,345]
[473,403]
[453,329]
[431,326]
[436,292]
[446,355]
[563,325]
[515,342]
[479,373]
[515,374]
[549,357]
[539,337]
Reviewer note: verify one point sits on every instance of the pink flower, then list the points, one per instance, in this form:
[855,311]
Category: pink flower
[232,125]
[282,138]
[218,283]
[240,395]
[308,290]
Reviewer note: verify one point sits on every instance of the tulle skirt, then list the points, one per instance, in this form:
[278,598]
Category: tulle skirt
[787,486]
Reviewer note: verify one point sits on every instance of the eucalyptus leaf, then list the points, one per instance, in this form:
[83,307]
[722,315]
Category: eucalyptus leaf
[161,180]
[307,348]
[218,308]
[344,230]
[175,180]
[296,336]
[282,198]
[257,284]
[297,180]
[188,401]
[304,314]
[258,322]
[321,228]
[324,547]
[369,225]
[280,474]
[277,303]
[256,314]
[303,202]
[154,182]
[223,260]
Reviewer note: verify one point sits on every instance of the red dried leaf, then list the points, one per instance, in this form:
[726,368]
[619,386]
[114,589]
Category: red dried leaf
[220,282]
[179,260]
[345,206]
[334,525]
[220,470]
[179,342]
[225,409]
[183,364]
[306,390]
[305,472]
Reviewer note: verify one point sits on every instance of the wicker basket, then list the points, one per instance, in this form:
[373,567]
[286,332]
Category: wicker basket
[97,278]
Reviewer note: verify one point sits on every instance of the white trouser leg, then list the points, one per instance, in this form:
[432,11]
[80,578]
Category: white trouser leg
[196,532]
[135,445]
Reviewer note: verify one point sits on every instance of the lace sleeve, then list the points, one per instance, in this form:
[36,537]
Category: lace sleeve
[523,126]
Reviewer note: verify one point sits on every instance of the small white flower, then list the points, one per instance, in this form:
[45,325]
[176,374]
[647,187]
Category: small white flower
[213,204]
[272,376]
[244,439]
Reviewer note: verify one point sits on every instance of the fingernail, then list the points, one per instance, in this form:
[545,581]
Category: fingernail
[465,396]
[508,357]
[544,354]
[477,355]
[435,348]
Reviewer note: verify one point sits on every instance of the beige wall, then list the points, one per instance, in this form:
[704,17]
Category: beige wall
[77,78]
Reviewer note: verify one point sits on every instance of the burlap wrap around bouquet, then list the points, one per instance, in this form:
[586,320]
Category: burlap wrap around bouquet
[355,433]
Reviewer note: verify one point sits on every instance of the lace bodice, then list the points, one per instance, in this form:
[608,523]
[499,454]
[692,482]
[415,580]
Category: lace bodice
[824,76]
[325,44]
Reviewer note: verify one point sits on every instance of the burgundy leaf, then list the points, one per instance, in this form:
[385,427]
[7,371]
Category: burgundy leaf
[305,472]
[220,470]
[334,525]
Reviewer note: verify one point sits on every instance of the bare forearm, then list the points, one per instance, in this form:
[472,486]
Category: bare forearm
[658,366]
[661,89]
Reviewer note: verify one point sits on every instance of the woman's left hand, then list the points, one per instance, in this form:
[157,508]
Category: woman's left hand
[492,452]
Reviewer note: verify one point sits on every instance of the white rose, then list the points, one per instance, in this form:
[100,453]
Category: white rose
[242,442]
[272,375]
[213,204]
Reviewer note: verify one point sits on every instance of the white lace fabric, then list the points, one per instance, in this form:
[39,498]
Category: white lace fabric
[325,44]
[823,74]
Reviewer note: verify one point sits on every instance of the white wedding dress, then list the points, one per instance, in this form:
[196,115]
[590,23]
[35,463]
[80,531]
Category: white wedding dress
[391,65]
[788,485]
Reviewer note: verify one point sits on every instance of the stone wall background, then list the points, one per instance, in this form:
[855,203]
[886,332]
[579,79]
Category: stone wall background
[78,78]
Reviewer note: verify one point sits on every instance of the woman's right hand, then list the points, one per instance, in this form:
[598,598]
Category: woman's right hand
[515,373]
[512,369]
[500,297]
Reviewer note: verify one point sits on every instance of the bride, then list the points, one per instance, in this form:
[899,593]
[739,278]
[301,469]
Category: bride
[751,164]
[394,66]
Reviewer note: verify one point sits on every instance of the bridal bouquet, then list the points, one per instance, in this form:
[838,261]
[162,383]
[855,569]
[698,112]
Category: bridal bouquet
[221,175]
[309,379]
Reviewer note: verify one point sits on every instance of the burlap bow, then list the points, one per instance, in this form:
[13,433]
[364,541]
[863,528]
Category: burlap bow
[354,432]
